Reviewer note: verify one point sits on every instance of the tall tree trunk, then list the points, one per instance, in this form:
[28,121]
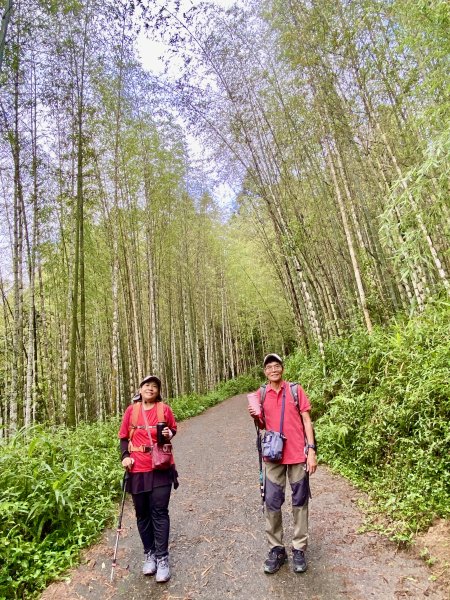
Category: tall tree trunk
[348,236]
[4,29]
[18,355]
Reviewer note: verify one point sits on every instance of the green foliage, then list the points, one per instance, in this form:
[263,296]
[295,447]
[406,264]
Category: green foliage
[382,415]
[56,494]
[58,488]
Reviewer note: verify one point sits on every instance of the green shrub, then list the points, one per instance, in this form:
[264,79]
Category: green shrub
[58,488]
[382,415]
[57,491]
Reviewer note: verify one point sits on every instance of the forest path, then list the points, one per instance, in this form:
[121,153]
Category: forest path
[217,544]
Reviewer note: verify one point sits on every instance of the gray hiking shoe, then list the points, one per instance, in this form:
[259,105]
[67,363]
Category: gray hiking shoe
[149,566]
[163,571]
[276,559]
[298,558]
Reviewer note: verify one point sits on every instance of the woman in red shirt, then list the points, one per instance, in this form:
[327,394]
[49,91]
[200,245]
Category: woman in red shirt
[150,488]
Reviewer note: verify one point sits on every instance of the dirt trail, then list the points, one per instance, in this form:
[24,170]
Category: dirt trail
[217,543]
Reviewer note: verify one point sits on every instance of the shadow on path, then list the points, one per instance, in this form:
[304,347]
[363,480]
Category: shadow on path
[217,543]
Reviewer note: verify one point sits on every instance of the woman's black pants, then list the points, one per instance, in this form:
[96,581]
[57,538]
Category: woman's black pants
[152,515]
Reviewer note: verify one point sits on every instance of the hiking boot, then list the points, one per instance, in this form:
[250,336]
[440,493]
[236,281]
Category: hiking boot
[277,557]
[149,566]
[298,558]
[163,571]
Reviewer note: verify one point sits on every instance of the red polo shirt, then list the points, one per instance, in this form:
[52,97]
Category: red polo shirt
[294,445]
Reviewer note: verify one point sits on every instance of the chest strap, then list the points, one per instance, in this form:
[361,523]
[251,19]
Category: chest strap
[132,448]
[137,408]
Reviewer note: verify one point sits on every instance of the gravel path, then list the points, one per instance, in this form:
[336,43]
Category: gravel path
[217,543]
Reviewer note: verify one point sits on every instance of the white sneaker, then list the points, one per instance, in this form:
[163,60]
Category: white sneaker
[163,571]
[149,566]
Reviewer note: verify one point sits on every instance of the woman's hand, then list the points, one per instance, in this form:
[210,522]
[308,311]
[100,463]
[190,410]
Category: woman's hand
[127,462]
[167,433]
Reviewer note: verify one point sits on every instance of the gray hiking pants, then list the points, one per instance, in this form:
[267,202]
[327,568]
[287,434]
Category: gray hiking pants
[275,484]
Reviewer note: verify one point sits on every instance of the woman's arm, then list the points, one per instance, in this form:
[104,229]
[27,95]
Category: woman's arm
[171,428]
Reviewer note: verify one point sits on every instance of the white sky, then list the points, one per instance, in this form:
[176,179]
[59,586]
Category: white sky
[149,51]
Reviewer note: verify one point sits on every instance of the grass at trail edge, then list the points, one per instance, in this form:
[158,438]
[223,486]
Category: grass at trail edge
[58,491]
[382,417]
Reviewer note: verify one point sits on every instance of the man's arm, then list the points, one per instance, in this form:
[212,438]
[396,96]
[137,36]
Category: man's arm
[311,460]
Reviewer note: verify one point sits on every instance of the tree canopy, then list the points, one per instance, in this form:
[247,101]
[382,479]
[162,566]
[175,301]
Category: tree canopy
[330,119]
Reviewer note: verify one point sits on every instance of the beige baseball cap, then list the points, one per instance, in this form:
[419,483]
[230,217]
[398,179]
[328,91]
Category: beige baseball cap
[151,378]
[272,358]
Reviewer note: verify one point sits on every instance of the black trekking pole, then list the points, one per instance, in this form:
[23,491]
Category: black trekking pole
[119,523]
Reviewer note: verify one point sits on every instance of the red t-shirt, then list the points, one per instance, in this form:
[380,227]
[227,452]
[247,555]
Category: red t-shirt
[294,445]
[143,460]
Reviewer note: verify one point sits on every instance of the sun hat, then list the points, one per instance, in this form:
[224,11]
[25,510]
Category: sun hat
[151,378]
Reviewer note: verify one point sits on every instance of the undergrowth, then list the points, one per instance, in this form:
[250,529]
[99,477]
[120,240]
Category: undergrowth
[58,489]
[382,416]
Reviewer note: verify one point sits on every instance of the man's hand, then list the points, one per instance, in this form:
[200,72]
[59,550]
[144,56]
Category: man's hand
[254,413]
[311,461]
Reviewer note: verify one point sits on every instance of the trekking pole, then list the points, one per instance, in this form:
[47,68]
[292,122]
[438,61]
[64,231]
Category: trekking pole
[261,480]
[119,524]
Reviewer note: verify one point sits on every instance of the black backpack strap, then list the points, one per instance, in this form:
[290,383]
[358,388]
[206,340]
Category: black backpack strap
[262,397]
[262,391]
[294,391]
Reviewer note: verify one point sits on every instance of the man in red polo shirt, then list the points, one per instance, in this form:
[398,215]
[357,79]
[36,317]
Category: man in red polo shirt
[299,435]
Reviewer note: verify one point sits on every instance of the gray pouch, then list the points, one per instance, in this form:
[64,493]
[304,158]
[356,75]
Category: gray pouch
[272,446]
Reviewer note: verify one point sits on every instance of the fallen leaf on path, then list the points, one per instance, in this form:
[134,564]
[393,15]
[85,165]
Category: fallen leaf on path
[229,574]
[206,570]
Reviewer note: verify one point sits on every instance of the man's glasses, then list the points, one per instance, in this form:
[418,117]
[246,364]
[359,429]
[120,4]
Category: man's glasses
[273,368]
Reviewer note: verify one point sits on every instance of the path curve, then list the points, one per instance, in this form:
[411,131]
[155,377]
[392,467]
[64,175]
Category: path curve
[217,545]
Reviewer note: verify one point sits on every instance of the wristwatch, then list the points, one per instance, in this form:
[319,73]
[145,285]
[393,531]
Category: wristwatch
[308,446]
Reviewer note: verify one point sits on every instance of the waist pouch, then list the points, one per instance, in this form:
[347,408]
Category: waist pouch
[272,446]
[162,456]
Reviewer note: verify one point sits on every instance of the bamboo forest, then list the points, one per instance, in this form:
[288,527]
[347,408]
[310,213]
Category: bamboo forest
[279,183]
